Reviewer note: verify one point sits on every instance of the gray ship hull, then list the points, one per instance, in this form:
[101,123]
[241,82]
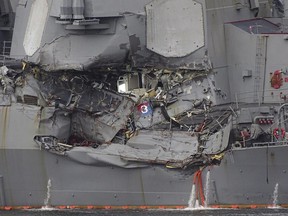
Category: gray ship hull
[119,106]
[25,175]
[249,177]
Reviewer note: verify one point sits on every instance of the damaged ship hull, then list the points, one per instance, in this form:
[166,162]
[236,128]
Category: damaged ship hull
[26,170]
[73,184]
[67,140]
[146,103]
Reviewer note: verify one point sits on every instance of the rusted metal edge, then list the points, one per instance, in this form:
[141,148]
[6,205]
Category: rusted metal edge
[108,207]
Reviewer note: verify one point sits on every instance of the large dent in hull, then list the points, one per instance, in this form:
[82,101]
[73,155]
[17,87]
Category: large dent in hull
[179,150]
[82,118]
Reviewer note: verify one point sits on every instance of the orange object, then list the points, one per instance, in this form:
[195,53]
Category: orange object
[199,186]
[7,208]
[276,79]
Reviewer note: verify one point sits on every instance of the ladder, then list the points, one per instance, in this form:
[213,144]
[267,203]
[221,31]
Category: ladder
[259,67]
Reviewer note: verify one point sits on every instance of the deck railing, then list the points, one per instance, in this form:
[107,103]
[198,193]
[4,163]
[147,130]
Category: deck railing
[276,143]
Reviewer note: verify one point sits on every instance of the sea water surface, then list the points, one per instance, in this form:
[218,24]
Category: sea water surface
[202,212]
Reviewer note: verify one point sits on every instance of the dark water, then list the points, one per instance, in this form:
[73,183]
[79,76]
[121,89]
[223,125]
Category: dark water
[216,212]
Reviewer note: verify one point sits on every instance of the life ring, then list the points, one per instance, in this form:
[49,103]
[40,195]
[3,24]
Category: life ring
[276,79]
[277,134]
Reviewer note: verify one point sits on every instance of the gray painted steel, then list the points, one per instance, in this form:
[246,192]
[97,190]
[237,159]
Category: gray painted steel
[249,176]
[26,173]
[205,90]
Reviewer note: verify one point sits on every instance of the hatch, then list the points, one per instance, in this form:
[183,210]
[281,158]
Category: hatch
[174,28]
